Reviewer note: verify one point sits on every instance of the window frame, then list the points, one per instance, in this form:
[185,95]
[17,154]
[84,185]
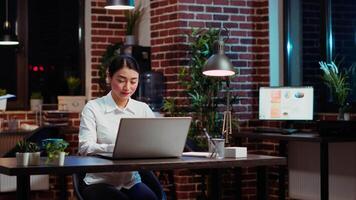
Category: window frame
[22,96]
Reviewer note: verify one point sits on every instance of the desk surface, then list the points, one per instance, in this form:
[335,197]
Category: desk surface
[74,164]
[310,137]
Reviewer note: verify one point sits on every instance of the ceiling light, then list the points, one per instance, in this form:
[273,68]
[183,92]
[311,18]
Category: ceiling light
[120,4]
[7,38]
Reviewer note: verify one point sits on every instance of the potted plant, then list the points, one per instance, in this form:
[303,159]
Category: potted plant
[132,17]
[338,83]
[34,154]
[55,149]
[73,84]
[22,154]
[36,101]
[72,103]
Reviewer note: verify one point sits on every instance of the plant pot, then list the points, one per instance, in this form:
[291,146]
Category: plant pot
[58,159]
[22,158]
[130,40]
[346,116]
[3,103]
[36,104]
[34,158]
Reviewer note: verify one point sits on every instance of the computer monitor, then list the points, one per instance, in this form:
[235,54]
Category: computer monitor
[286,103]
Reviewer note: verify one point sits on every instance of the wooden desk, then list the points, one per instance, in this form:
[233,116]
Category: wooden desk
[75,164]
[306,137]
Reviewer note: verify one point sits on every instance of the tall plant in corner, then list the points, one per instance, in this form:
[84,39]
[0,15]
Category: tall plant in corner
[201,90]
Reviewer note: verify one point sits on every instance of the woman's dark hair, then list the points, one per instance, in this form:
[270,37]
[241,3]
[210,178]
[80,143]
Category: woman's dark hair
[122,61]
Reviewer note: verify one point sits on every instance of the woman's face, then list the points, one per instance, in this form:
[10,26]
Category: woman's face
[124,83]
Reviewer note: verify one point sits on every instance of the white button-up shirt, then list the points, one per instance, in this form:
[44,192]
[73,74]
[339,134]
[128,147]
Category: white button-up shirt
[98,129]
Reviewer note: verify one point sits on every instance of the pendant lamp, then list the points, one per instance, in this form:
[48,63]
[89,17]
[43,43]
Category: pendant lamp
[120,4]
[7,38]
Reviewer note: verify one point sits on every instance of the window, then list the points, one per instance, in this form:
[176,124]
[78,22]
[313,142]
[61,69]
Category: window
[51,49]
[318,30]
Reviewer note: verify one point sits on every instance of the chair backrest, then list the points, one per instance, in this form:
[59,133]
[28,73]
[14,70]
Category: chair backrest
[147,177]
[77,184]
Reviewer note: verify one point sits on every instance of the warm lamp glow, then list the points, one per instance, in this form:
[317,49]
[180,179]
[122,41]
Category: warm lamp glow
[218,73]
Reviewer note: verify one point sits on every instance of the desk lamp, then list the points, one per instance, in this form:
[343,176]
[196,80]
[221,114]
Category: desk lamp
[219,65]
[120,4]
[7,38]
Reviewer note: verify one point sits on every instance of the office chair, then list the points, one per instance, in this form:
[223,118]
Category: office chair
[147,177]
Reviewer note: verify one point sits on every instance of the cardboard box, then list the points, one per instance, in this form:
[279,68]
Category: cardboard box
[235,152]
[71,103]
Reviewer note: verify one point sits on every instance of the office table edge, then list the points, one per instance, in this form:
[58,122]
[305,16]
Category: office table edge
[89,164]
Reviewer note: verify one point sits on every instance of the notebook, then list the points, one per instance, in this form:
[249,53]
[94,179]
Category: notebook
[159,137]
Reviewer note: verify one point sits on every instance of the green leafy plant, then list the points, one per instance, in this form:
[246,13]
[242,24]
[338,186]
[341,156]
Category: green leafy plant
[33,147]
[72,82]
[338,83]
[2,92]
[132,17]
[36,95]
[22,146]
[53,148]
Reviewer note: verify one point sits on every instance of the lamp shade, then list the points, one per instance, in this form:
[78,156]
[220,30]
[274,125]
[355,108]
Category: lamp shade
[7,39]
[218,64]
[120,4]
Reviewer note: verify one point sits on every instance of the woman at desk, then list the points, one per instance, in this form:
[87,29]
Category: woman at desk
[98,129]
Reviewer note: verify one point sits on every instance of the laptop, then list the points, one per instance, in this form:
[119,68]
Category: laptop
[160,137]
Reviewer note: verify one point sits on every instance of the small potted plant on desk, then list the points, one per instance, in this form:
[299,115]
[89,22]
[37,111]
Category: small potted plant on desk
[55,149]
[22,153]
[35,154]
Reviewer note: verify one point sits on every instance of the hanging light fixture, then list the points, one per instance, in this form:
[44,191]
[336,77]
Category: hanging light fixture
[120,4]
[219,65]
[7,38]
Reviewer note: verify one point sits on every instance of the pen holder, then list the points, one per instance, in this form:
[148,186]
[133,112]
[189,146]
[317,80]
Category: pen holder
[217,147]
